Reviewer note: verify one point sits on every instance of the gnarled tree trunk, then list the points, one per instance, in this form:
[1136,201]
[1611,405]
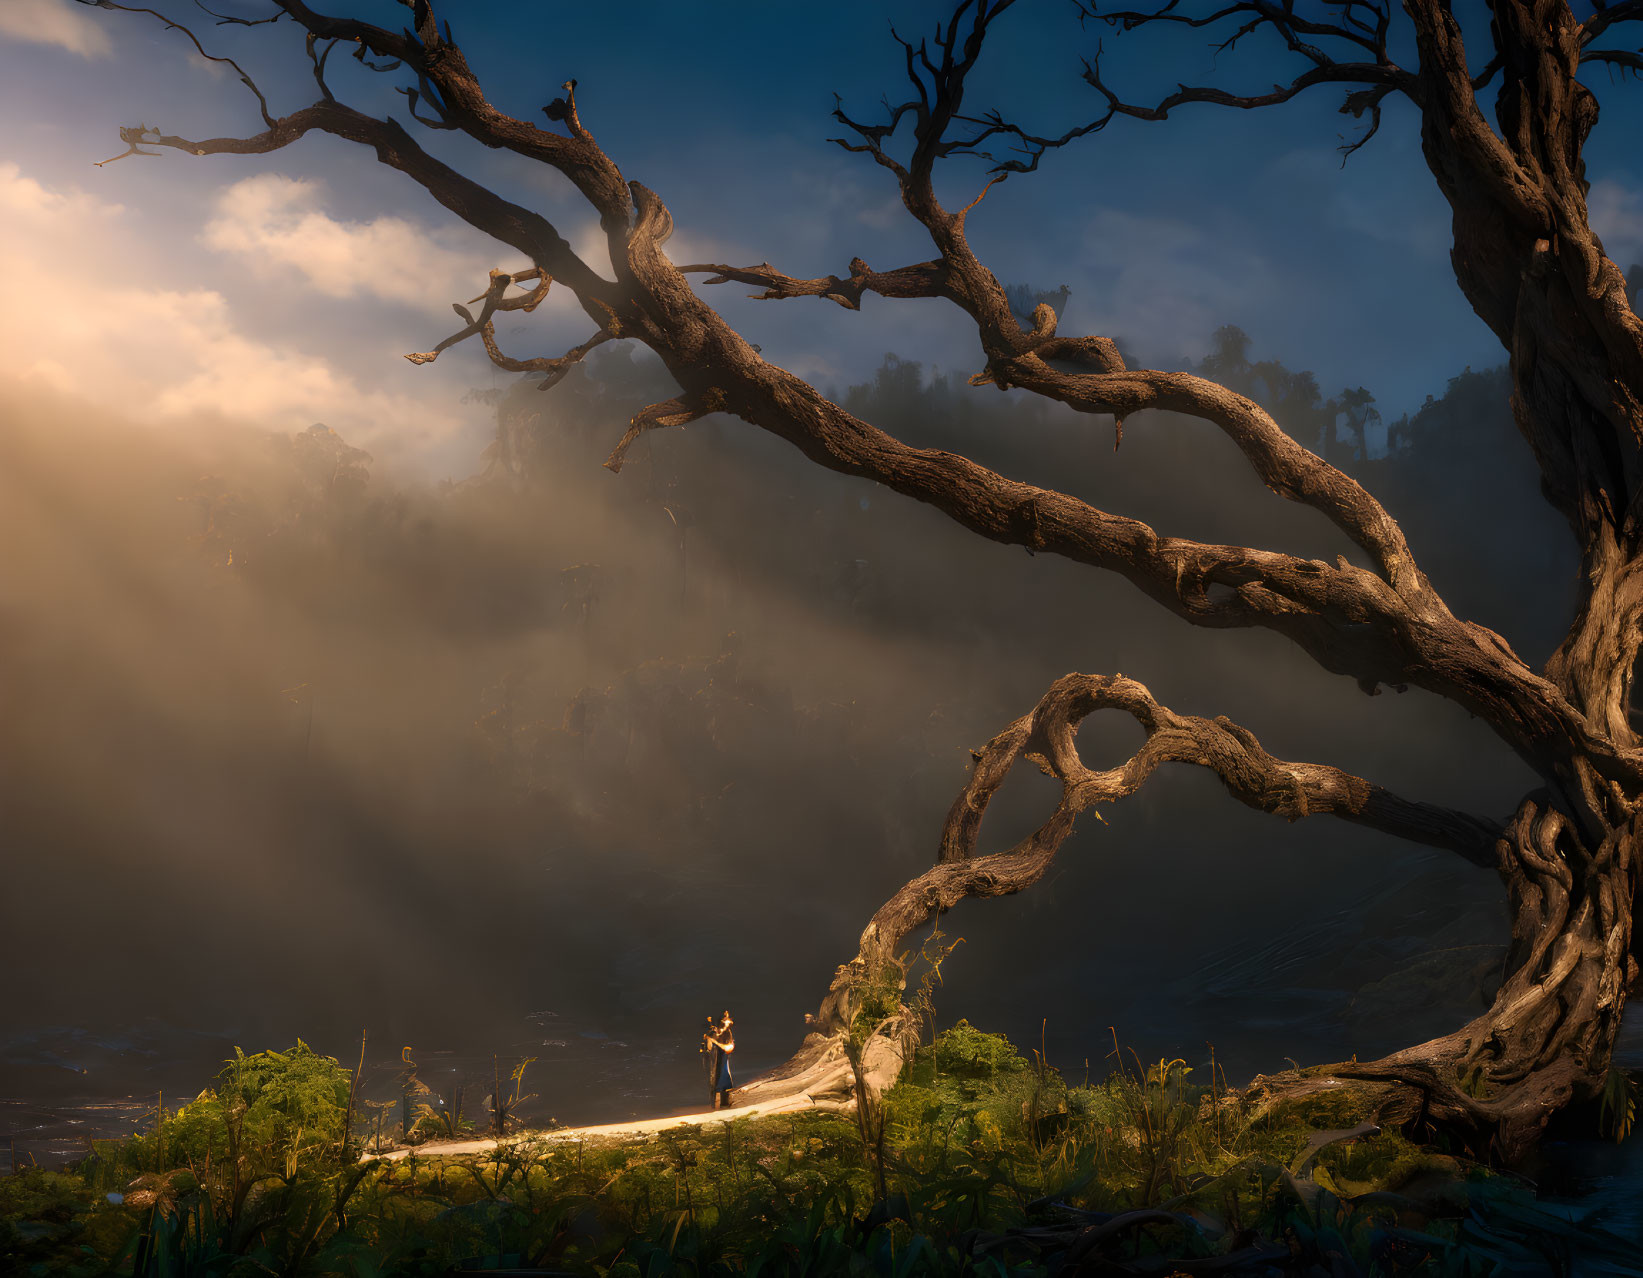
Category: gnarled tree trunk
[1526,259]
[1545,1039]
[1547,1036]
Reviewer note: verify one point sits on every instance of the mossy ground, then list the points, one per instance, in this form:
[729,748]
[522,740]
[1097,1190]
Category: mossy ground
[993,1164]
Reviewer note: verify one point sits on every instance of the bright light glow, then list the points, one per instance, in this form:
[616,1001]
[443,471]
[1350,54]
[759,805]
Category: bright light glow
[86,317]
[58,22]
[278,225]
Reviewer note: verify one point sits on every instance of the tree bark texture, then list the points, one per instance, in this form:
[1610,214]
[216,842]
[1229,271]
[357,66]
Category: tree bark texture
[1524,256]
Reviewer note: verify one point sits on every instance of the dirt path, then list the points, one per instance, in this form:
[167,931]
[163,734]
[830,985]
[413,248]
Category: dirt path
[634,1127]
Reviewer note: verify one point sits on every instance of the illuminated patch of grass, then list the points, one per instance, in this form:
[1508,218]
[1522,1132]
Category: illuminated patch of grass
[992,1165]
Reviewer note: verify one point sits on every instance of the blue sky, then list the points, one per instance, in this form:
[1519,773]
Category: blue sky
[260,294]
[275,291]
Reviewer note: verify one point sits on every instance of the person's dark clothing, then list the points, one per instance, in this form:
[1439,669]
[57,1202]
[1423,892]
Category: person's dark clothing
[719,1071]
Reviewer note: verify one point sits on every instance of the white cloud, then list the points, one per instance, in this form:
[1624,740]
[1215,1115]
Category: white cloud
[31,206]
[1616,214]
[590,243]
[58,22]
[278,226]
[85,312]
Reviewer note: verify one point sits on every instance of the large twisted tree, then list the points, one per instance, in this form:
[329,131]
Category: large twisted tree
[1524,256]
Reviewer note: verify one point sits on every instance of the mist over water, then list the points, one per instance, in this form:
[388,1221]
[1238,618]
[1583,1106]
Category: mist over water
[554,762]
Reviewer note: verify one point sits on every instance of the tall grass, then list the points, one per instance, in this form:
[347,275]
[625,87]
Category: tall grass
[979,1161]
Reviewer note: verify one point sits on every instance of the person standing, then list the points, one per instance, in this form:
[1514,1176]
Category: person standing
[724,1043]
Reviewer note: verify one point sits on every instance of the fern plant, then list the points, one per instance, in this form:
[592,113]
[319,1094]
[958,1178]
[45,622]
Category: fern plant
[1617,1106]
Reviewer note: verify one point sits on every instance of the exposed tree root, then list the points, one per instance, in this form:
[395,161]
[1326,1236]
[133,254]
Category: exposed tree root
[820,1070]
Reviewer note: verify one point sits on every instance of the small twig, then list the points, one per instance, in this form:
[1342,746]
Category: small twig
[173,25]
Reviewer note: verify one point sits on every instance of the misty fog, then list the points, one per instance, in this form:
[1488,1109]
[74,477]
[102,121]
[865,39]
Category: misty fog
[554,761]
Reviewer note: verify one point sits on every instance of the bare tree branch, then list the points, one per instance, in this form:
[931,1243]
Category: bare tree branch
[1528,263]
[681,410]
[556,368]
[925,279]
[1388,629]
[1016,358]
[1348,619]
[1280,18]
[1608,15]
[520,228]
[1361,26]
[1283,465]
[133,138]
[494,299]
[319,58]
[170,25]
[1623,58]
[441,67]
[939,85]
[1378,80]
[223,19]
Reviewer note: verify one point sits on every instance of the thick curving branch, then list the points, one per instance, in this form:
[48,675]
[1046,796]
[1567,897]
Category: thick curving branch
[445,78]
[681,410]
[1346,618]
[1046,738]
[1493,1082]
[1022,358]
[1443,89]
[556,367]
[1380,627]
[1525,258]
[520,228]
[1283,465]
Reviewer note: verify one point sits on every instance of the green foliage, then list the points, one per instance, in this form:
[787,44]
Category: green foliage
[1617,1106]
[967,1053]
[410,1087]
[505,1101]
[932,954]
[52,1223]
[446,1118]
[969,1086]
[878,999]
[272,1112]
[990,1165]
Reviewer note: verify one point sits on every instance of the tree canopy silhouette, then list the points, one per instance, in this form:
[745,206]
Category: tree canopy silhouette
[1524,256]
